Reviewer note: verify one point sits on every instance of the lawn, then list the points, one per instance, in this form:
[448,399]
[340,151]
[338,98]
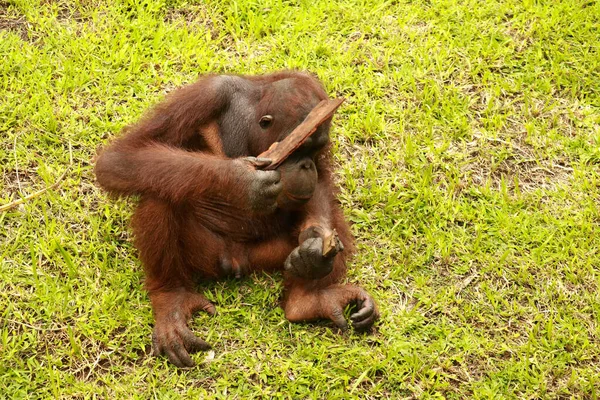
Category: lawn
[467,153]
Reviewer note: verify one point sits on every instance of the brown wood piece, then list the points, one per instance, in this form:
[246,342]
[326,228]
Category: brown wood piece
[330,243]
[278,152]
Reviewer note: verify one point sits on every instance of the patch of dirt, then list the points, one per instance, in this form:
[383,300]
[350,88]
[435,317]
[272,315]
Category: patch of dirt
[195,18]
[511,163]
[13,182]
[67,14]
[12,21]
[522,41]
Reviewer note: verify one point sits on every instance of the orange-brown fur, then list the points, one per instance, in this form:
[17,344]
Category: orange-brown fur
[193,217]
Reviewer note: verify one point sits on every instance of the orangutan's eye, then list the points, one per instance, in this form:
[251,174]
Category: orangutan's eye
[265,121]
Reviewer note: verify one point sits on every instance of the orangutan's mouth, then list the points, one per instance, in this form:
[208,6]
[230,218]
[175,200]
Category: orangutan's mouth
[299,199]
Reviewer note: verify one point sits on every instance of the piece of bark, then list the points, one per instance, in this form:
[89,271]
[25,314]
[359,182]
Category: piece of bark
[279,151]
[331,243]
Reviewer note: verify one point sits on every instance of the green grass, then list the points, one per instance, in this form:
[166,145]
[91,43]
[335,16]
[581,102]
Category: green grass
[468,156]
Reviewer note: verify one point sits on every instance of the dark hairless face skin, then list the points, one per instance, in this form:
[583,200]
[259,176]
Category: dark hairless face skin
[207,210]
